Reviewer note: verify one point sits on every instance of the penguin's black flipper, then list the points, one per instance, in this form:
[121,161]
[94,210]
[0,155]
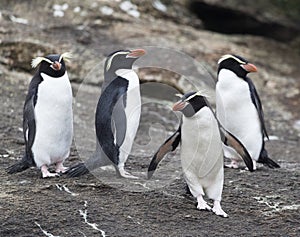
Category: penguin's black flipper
[264,159]
[230,140]
[169,145]
[29,128]
[19,166]
[257,103]
[77,170]
[119,121]
[104,121]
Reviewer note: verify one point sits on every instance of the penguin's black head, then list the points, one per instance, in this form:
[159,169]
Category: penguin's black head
[190,103]
[122,59]
[240,66]
[52,65]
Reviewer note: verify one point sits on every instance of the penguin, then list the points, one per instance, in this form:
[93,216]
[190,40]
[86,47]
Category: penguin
[201,150]
[239,109]
[117,115]
[47,117]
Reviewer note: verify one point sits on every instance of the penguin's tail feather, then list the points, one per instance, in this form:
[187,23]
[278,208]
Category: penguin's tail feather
[169,145]
[20,166]
[266,160]
[77,170]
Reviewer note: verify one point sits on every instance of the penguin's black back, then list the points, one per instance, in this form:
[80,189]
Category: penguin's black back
[103,119]
[29,126]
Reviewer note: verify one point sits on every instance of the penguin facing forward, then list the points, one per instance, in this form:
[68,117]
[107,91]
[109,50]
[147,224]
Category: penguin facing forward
[47,117]
[239,109]
[117,115]
[201,150]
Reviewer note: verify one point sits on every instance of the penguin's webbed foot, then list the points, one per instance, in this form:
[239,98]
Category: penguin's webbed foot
[49,175]
[46,173]
[202,204]
[125,174]
[233,165]
[217,209]
[60,168]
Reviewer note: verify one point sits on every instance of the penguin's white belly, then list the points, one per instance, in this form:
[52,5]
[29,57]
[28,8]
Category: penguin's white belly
[202,155]
[132,111]
[237,113]
[54,120]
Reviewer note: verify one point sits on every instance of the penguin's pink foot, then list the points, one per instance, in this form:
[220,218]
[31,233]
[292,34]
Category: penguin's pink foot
[125,174]
[60,168]
[46,173]
[233,165]
[217,209]
[202,205]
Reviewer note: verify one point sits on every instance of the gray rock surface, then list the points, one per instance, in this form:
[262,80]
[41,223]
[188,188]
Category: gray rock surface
[183,56]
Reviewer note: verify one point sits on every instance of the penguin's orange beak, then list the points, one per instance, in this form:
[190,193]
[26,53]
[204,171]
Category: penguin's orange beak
[249,67]
[56,66]
[136,53]
[178,106]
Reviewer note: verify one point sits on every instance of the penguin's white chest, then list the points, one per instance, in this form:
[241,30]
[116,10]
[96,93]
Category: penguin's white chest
[201,146]
[236,111]
[202,154]
[54,120]
[132,110]
[133,100]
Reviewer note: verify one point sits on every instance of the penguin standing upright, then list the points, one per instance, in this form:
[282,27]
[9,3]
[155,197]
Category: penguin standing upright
[201,150]
[47,117]
[117,114]
[239,109]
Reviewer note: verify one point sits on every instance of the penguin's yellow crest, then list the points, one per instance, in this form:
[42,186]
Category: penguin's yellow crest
[36,61]
[227,56]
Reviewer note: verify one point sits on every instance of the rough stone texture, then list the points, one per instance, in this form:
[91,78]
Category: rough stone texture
[265,201]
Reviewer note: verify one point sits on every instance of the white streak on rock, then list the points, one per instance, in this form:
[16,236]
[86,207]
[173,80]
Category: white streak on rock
[142,184]
[45,232]
[59,187]
[275,206]
[66,189]
[93,225]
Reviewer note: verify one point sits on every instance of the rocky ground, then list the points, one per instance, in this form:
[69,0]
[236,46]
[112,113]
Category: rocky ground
[263,203]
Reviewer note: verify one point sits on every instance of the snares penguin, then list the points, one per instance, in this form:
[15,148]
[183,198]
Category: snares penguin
[117,115]
[47,117]
[201,150]
[239,109]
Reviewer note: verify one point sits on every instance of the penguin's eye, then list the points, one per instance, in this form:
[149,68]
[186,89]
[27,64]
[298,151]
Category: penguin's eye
[109,62]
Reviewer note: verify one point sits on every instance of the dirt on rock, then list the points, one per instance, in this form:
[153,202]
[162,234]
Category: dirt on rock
[262,203]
